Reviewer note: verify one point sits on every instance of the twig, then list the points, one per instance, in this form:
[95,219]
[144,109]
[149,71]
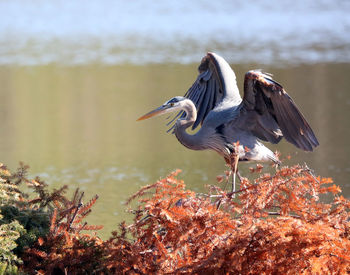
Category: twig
[243,189]
[311,172]
[279,214]
[82,228]
[76,210]
[138,222]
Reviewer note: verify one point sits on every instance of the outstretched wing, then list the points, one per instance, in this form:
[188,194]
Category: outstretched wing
[272,114]
[215,83]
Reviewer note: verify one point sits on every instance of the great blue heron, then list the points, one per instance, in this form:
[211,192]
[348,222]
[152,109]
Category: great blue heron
[265,113]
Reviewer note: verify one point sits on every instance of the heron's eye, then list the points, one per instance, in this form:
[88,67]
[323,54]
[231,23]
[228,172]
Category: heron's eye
[171,104]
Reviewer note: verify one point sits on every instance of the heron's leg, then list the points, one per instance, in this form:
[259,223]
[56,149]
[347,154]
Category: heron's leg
[233,182]
[234,169]
[233,188]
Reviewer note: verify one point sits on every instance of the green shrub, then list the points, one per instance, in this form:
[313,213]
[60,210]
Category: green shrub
[23,219]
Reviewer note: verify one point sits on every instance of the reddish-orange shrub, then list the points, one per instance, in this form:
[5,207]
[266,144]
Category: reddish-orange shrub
[277,224]
[66,249]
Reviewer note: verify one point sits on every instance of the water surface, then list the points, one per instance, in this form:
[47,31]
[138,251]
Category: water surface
[75,76]
[142,32]
[77,126]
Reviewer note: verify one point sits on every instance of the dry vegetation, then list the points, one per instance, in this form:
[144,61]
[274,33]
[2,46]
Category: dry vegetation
[277,224]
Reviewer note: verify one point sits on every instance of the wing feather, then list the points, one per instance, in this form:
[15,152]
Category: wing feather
[204,104]
[276,112]
[210,103]
[216,82]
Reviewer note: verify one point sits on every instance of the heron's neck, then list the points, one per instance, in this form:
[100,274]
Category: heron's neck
[190,141]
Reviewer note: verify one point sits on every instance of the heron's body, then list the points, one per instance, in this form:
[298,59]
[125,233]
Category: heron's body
[265,113]
[220,136]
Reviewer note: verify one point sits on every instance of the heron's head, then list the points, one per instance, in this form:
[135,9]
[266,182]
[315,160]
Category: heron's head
[172,105]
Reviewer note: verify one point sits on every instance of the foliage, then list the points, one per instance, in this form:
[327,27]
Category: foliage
[9,233]
[23,218]
[276,224]
[65,249]
[33,214]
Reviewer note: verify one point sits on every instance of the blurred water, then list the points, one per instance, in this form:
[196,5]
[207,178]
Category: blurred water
[75,75]
[77,126]
[116,32]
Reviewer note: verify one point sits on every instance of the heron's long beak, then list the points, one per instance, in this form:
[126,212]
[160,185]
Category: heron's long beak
[156,112]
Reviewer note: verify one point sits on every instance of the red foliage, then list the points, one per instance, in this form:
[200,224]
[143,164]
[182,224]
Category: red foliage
[276,225]
[66,250]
